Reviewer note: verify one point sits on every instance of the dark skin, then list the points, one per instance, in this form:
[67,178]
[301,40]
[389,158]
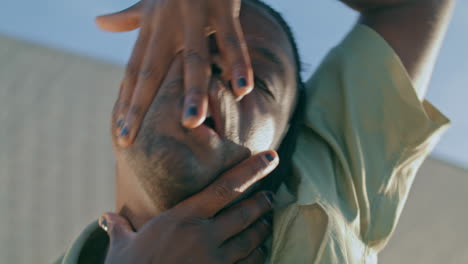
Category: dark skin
[197,231]
[244,129]
[197,156]
[415,36]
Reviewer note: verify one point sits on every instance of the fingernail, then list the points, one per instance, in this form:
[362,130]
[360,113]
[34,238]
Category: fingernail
[269,157]
[124,131]
[241,82]
[270,198]
[263,250]
[120,123]
[103,224]
[191,111]
[267,221]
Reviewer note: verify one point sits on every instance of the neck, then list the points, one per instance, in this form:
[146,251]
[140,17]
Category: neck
[131,200]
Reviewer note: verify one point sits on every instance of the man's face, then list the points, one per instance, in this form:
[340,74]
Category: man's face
[172,162]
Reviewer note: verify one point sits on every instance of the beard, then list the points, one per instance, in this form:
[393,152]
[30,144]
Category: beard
[169,171]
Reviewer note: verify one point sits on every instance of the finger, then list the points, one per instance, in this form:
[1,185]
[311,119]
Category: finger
[117,227]
[229,186]
[231,43]
[243,214]
[130,79]
[125,20]
[256,257]
[157,60]
[242,245]
[197,68]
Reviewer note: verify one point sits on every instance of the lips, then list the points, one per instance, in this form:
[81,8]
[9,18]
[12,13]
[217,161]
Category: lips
[212,120]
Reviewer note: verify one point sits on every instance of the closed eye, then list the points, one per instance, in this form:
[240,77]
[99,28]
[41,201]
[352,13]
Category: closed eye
[259,83]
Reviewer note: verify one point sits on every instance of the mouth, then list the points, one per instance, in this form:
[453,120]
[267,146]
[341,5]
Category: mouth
[213,119]
[208,130]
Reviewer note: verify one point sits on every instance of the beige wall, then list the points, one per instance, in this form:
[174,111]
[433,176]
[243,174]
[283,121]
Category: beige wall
[56,164]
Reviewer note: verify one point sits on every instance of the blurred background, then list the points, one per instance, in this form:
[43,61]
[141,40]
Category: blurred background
[59,77]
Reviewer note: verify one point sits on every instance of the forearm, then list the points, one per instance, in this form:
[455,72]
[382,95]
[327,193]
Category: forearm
[413,28]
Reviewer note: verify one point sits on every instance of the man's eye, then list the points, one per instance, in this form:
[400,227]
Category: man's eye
[260,84]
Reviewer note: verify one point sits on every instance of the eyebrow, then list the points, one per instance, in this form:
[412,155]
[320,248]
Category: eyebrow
[271,56]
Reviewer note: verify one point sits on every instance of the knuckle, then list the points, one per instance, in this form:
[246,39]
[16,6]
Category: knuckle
[147,72]
[232,41]
[193,227]
[131,70]
[120,105]
[178,82]
[244,243]
[192,56]
[136,110]
[224,190]
[245,215]
[199,65]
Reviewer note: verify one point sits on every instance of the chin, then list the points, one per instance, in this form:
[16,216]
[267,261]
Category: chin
[169,170]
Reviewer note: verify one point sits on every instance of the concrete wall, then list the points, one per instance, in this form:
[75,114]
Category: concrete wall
[56,168]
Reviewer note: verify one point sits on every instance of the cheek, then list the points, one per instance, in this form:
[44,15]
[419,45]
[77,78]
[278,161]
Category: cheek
[262,123]
[262,134]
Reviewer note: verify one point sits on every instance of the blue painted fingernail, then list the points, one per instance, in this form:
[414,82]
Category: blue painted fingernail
[263,250]
[267,221]
[241,82]
[191,111]
[120,123]
[269,157]
[124,131]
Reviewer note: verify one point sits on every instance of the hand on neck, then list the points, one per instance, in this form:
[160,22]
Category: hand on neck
[131,200]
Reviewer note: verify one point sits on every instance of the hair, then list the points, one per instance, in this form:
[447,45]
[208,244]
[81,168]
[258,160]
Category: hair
[288,144]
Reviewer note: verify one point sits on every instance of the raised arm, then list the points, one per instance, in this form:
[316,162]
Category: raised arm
[413,28]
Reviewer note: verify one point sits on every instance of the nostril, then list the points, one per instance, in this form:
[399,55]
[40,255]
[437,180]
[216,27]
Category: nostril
[216,70]
[209,122]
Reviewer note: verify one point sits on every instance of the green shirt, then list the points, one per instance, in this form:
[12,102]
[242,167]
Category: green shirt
[364,136]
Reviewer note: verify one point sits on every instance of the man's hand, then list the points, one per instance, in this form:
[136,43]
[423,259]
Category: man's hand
[198,230]
[169,27]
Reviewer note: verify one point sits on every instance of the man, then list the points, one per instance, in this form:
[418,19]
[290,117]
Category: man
[365,131]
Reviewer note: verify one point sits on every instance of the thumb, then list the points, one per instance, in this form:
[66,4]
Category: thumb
[125,20]
[116,226]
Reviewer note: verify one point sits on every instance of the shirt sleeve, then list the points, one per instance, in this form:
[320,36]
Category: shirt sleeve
[361,101]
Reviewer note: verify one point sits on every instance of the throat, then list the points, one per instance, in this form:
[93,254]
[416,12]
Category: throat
[131,201]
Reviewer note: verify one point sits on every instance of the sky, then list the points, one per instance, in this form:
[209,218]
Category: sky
[318,25]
